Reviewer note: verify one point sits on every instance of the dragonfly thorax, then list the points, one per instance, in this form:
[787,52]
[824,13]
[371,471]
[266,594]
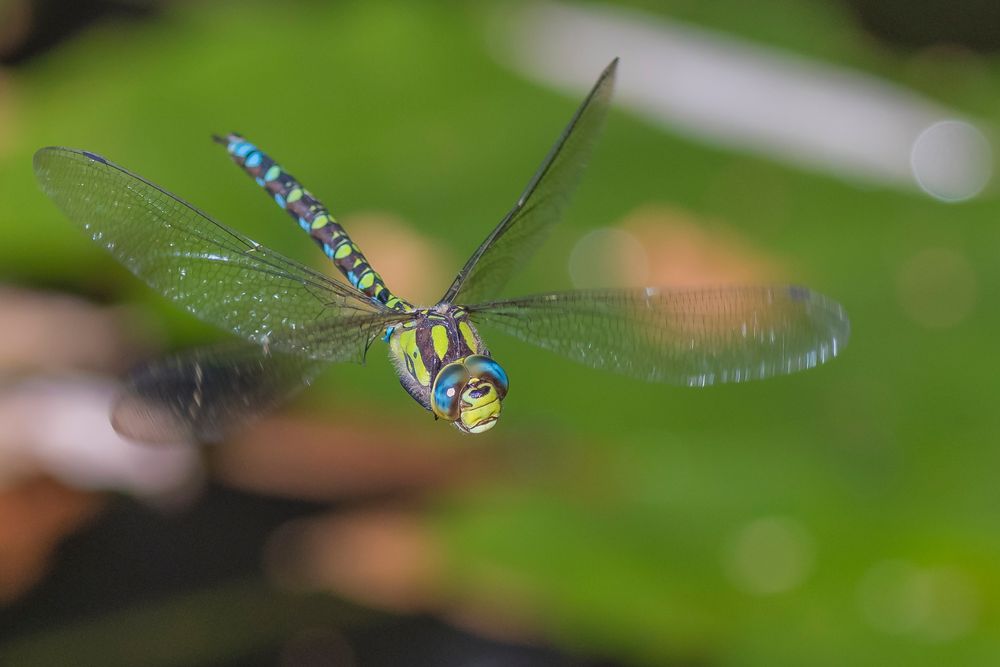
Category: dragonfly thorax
[444,365]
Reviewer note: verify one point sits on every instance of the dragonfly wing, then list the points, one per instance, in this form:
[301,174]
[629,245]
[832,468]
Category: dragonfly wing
[211,270]
[541,204]
[205,393]
[685,336]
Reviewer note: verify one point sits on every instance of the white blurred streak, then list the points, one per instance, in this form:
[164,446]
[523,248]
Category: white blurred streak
[60,426]
[735,93]
[52,331]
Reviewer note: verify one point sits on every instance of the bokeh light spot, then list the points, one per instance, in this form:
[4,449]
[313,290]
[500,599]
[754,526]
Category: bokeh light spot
[951,160]
[937,288]
[685,249]
[608,257]
[769,555]
[939,604]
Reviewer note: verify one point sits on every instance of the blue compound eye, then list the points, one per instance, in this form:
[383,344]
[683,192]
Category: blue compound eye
[446,394]
[487,370]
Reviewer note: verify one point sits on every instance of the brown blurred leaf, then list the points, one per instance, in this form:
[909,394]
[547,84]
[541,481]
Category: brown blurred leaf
[35,515]
[383,558]
[391,558]
[50,331]
[309,458]
[16,19]
[683,252]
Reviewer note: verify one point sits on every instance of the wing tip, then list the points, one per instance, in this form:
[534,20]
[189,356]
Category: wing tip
[610,71]
[42,154]
[825,313]
[144,420]
[94,156]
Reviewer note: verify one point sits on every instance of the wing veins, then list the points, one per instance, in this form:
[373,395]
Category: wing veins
[560,170]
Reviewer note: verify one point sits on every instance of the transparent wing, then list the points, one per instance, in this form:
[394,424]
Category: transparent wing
[206,393]
[683,336]
[540,206]
[211,270]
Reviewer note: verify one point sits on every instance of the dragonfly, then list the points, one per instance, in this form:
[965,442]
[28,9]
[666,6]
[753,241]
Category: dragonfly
[290,320]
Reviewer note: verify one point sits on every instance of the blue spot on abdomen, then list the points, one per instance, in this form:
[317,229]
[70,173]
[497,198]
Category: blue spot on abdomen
[243,148]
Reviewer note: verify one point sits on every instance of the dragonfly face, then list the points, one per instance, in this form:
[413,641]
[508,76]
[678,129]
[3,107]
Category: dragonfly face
[444,365]
[469,393]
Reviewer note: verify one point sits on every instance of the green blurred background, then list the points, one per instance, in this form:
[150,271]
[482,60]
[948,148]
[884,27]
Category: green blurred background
[847,515]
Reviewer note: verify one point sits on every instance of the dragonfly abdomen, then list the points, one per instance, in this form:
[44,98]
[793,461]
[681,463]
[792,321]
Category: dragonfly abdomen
[313,217]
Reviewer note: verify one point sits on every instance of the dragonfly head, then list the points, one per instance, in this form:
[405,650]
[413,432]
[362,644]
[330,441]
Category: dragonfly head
[469,392]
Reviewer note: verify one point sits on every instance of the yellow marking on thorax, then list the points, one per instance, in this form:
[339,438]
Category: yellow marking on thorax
[439,335]
[409,349]
[470,340]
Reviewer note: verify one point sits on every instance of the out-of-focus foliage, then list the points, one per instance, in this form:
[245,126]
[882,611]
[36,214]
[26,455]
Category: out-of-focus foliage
[842,516]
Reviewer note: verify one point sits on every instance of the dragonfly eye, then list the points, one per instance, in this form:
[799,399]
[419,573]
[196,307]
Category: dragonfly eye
[446,394]
[486,370]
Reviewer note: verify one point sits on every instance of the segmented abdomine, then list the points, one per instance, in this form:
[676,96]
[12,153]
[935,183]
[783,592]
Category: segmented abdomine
[314,218]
